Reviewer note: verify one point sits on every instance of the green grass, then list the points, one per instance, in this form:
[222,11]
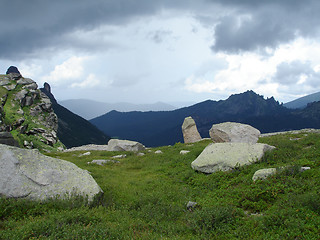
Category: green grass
[145,198]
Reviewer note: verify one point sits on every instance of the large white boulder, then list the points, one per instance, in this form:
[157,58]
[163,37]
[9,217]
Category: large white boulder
[125,145]
[29,174]
[227,156]
[190,131]
[234,132]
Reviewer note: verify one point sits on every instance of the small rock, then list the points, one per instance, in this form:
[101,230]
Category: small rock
[20,111]
[294,139]
[20,95]
[304,169]
[158,152]
[102,162]
[120,156]
[10,87]
[264,173]
[25,81]
[183,152]
[191,205]
[140,154]
[85,154]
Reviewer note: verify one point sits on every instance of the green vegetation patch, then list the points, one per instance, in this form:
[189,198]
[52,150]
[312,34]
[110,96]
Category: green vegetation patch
[145,197]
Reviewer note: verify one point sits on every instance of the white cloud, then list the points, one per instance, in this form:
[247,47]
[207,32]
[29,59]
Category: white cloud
[253,71]
[90,82]
[69,70]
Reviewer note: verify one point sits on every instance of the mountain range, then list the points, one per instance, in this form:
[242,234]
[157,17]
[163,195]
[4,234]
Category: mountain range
[303,101]
[89,109]
[164,128]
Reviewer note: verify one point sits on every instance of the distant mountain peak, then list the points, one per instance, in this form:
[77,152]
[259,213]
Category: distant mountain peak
[303,101]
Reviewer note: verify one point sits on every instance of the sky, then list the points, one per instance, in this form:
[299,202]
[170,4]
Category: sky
[144,51]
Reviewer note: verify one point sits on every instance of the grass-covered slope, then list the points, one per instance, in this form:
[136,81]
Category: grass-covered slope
[146,197]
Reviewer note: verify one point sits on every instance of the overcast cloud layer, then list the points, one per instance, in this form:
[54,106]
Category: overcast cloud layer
[145,51]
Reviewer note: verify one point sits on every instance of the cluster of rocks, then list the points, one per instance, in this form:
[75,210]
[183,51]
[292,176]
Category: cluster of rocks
[25,93]
[234,145]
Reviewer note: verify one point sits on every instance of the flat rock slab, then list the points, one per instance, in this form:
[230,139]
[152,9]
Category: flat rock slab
[227,156]
[125,145]
[29,174]
[89,147]
[113,145]
[102,161]
[234,132]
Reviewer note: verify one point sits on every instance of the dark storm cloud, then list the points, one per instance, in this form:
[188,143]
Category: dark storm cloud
[31,25]
[290,73]
[254,25]
[28,27]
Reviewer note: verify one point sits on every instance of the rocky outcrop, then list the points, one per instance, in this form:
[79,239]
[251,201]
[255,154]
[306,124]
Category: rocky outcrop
[31,115]
[190,131]
[28,174]
[228,156]
[234,132]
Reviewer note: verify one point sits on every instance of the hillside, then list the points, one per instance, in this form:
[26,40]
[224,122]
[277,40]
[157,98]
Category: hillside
[146,198]
[89,109]
[303,101]
[164,128]
[73,130]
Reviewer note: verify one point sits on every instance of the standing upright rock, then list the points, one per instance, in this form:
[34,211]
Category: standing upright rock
[190,131]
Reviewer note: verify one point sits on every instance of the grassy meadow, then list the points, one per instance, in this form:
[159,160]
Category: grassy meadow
[145,197]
